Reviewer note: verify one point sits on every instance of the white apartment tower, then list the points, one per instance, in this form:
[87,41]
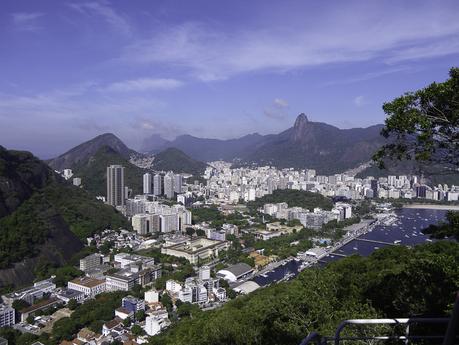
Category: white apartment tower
[147,183]
[157,184]
[115,185]
[178,181]
[169,185]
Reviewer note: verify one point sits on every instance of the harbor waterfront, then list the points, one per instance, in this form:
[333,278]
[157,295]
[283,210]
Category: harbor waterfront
[403,227]
[432,207]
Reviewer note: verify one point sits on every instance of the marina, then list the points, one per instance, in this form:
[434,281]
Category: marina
[400,228]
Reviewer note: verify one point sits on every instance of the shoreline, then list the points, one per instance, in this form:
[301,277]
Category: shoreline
[432,207]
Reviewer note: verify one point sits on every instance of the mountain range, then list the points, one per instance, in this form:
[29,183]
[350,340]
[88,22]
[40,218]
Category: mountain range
[90,159]
[306,144]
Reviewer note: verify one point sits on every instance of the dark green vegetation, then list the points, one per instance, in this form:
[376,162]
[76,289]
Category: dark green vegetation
[53,210]
[216,218]
[422,127]
[182,270]
[91,314]
[50,218]
[177,161]
[93,172]
[447,229]
[392,282]
[294,198]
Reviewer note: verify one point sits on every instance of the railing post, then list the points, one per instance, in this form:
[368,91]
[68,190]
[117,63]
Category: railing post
[453,325]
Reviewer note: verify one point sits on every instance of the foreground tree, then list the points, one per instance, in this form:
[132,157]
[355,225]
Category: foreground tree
[424,125]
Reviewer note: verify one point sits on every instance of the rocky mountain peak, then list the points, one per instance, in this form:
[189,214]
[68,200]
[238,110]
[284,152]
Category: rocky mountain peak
[300,126]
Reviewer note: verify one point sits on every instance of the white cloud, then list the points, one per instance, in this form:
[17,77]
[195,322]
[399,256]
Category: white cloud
[277,110]
[382,32]
[144,84]
[103,10]
[280,102]
[360,101]
[26,21]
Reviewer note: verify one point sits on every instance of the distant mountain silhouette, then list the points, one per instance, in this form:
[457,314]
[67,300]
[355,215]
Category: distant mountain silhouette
[154,144]
[319,146]
[204,149]
[307,144]
[177,161]
[82,152]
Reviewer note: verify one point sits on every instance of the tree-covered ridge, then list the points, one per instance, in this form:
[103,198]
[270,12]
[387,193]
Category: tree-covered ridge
[20,175]
[392,282]
[93,172]
[59,207]
[177,161]
[423,125]
[294,198]
[447,229]
[52,214]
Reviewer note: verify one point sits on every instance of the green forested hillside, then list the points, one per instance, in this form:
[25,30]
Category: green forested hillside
[177,161]
[58,206]
[392,282]
[50,218]
[93,172]
[294,198]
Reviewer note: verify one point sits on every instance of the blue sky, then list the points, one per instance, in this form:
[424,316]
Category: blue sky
[73,69]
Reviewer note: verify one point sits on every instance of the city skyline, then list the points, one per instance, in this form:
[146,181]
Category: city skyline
[74,70]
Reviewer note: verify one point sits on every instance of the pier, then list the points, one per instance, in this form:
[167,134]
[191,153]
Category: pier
[338,254]
[374,241]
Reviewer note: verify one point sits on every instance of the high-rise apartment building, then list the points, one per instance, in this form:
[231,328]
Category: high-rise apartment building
[115,185]
[147,183]
[178,181]
[157,185]
[169,185]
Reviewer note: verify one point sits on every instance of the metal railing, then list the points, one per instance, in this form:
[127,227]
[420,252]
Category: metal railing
[315,338]
[448,338]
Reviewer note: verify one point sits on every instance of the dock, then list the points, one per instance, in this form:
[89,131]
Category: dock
[374,241]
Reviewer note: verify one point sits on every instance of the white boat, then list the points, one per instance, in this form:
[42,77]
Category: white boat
[398,241]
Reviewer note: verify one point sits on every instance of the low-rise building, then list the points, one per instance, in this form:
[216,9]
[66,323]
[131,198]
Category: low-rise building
[155,324]
[7,316]
[89,286]
[196,249]
[133,304]
[123,280]
[66,295]
[30,294]
[90,262]
[235,272]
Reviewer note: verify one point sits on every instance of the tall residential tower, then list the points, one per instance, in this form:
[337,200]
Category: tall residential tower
[147,183]
[115,185]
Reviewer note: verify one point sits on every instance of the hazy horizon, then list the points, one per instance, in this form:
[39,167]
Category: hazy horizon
[76,69]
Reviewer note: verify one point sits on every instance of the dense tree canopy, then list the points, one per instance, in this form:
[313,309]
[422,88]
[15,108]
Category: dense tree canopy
[424,125]
[294,198]
[392,282]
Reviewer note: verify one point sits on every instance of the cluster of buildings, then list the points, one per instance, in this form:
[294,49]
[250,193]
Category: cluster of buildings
[226,185]
[314,219]
[153,217]
[200,289]
[167,185]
